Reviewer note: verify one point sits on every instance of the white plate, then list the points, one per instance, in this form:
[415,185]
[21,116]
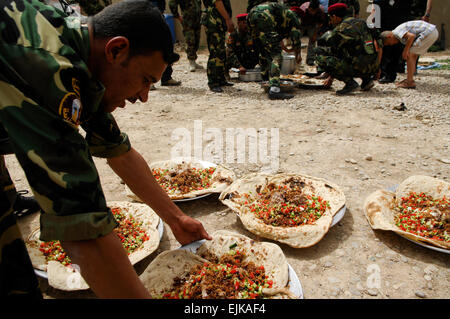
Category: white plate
[189,199]
[442,250]
[43,274]
[294,283]
[339,215]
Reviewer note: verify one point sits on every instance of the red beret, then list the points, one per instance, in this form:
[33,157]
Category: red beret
[295,9]
[242,16]
[337,7]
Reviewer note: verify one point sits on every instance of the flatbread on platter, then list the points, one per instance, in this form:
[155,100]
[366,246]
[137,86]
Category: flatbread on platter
[68,277]
[388,210]
[303,80]
[183,268]
[173,177]
[255,194]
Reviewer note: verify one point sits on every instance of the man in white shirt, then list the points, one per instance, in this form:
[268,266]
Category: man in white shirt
[417,36]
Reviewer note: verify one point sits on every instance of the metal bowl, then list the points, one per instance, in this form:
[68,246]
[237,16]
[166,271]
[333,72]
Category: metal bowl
[286,86]
[251,75]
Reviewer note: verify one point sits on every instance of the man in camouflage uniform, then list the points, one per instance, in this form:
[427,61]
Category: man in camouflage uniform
[353,6]
[269,24]
[348,51]
[217,21]
[242,52]
[190,21]
[75,76]
[253,3]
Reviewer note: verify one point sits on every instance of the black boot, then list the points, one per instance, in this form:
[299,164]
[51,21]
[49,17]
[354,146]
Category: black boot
[367,84]
[25,205]
[279,95]
[216,89]
[350,86]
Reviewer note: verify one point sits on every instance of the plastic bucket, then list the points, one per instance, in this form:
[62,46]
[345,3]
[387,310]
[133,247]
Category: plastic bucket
[171,24]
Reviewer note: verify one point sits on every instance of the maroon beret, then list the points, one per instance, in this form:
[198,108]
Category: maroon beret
[337,7]
[295,9]
[242,16]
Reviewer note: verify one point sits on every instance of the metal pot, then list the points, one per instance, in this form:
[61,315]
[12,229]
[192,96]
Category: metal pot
[287,64]
[251,75]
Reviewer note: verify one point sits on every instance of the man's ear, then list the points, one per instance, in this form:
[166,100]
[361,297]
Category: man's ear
[117,49]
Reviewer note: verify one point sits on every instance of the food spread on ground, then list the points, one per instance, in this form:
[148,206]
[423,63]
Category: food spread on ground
[294,209]
[136,229]
[302,79]
[185,180]
[129,231]
[188,178]
[286,205]
[227,277]
[424,216]
[418,210]
[230,266]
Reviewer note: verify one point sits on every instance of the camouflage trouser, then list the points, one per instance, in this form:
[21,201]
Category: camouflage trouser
[309,32]
[268,42]
[217,58]
[345,70]
[17,278]
[191,32]
[270,62]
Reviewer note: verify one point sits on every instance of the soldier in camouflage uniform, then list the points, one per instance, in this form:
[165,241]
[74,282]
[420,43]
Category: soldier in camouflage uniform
[353,6]
[253,3]
[217,21]
[348,51]
[76,75]
[242,52]
[269,24]
[190,21]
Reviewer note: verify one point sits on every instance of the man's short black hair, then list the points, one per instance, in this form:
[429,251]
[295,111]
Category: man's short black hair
[141,23]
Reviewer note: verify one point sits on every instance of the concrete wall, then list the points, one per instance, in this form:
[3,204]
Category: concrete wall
[440,14]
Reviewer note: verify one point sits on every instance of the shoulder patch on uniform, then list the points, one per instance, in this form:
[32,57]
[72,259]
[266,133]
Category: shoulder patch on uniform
[70,108]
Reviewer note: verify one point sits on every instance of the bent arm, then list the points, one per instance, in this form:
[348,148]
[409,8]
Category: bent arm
[135,172]
[106,268]
[410,37]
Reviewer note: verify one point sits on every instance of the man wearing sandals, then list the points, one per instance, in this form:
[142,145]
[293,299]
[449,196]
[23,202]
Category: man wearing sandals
[417,36]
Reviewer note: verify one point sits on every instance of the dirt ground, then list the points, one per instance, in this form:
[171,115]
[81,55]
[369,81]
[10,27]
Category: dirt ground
[360,142]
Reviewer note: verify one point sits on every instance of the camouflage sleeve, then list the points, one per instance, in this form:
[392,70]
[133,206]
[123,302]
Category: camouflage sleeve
[336,37]
[104,136]
[232,59]
[59,169]
[42,103]
[295,34]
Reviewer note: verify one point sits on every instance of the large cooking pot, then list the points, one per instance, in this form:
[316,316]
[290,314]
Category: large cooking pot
[287,64]
[251,75]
